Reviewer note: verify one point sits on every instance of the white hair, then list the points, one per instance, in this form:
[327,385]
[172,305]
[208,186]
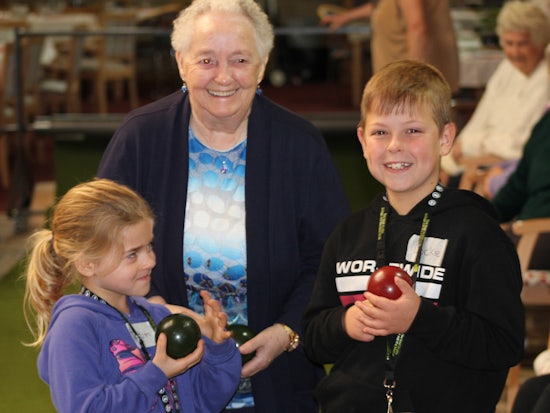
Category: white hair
[184,24]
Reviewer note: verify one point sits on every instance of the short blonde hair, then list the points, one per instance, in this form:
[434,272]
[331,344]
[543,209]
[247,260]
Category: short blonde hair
[184,24]
[524,16]
[402,86]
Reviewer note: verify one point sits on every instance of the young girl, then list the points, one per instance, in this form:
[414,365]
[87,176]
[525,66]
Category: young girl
[98,347]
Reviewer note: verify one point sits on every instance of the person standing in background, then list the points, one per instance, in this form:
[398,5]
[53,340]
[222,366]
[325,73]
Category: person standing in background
[408,29]
[245,194]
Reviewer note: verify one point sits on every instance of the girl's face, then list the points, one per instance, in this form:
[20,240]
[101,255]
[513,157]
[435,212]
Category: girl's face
[222,67]
[119,275]
[403,152]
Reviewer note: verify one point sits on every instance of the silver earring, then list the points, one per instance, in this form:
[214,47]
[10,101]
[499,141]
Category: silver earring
[259,90]
[184,88]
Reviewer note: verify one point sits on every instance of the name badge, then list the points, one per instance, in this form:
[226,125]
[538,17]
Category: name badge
[145,332]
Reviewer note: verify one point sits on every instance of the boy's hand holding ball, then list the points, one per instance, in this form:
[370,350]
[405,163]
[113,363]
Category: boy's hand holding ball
[382,281]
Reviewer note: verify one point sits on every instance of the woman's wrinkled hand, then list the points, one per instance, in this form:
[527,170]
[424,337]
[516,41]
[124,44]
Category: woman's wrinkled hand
[268,345]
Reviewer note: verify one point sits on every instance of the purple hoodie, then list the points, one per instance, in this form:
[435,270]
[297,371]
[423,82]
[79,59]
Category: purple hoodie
[92,364]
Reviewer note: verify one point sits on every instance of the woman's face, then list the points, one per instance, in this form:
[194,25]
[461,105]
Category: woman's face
[222,67]
[521,51]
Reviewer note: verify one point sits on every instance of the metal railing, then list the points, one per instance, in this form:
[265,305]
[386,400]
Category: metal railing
[19,196]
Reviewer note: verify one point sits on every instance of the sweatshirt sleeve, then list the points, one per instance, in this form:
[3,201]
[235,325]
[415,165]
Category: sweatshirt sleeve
[484,327]
[215,379]
[82,378]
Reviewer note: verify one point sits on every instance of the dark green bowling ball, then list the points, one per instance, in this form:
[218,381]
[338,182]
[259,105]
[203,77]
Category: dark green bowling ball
[182,333]
[241,334]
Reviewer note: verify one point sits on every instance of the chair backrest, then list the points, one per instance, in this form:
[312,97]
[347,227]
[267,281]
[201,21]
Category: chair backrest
[32,68]
[536,292]
[60,87]
[7,84]
[30,52]
[4,70]
[529,231]
[120,47]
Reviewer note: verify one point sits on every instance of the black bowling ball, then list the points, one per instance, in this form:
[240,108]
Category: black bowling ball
[241,334]
[182,333]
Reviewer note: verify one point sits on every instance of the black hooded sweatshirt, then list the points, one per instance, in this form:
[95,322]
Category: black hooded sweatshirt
[470,326]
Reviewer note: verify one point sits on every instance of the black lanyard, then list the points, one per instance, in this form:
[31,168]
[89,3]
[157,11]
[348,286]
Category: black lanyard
[392,352]
[162,392]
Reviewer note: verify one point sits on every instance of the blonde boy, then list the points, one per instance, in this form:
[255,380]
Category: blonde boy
[445,345]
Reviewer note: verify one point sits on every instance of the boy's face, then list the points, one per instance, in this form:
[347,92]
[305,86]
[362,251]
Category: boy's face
[403,152]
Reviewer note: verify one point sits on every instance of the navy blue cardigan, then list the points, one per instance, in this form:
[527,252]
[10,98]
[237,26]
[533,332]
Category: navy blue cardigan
[293,199]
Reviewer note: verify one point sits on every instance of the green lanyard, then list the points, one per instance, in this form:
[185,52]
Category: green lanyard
[392,352]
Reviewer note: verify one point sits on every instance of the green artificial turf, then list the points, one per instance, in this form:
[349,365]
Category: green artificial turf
[346,151]
[77,160]
[21,390]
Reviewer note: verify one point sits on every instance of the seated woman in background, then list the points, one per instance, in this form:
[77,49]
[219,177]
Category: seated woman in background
[514,98]
[488,182]
[526,193]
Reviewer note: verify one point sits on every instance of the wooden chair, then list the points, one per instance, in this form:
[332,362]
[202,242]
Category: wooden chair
[60,89]
[536,290]
[4,152]
[114,63]
[31,48]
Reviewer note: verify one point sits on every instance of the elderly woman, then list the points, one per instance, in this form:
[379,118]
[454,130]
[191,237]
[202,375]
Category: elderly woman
[514,98]
[245,194]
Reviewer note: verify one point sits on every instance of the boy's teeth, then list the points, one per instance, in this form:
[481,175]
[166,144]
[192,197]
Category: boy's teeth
[398,165]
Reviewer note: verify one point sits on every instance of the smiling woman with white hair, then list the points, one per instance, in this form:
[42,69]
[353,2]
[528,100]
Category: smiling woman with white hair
[514,98]
[245,194]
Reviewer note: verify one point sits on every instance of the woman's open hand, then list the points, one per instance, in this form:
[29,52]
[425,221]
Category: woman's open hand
[268,345]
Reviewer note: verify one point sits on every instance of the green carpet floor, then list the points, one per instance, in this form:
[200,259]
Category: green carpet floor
[20,388]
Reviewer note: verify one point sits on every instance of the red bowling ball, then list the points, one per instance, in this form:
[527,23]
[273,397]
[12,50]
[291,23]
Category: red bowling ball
[382,281]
